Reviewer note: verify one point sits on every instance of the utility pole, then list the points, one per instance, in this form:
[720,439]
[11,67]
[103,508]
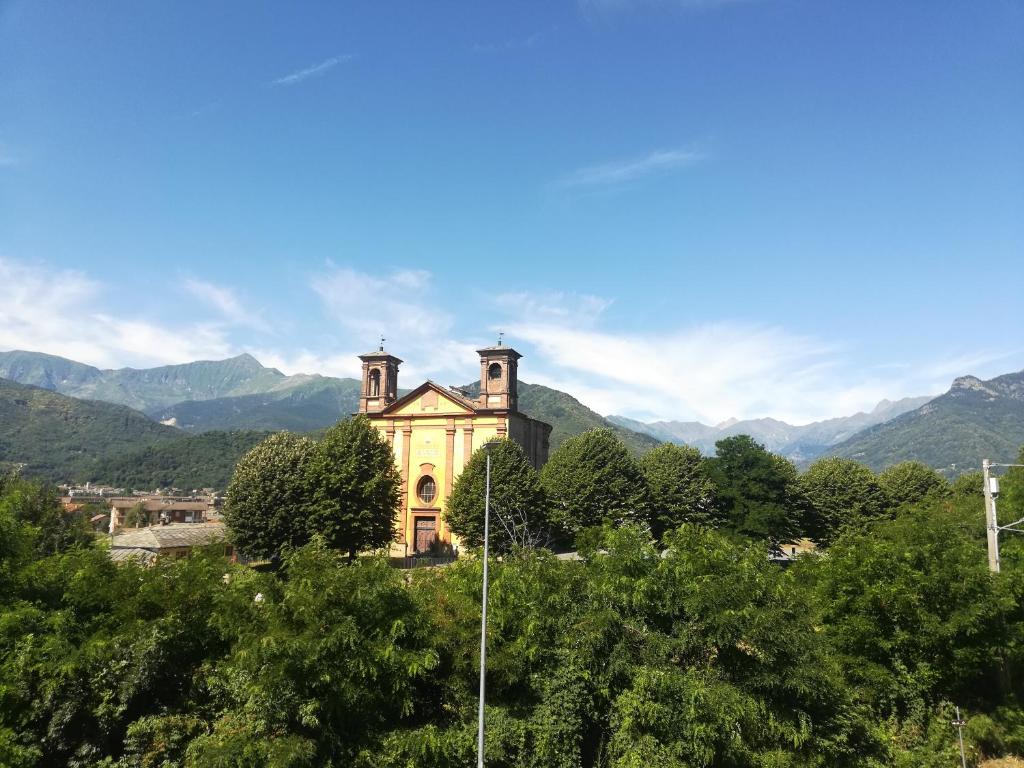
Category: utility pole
[991,524]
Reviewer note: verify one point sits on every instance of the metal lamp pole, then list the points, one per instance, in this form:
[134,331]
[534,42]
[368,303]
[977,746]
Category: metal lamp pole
[959,724]
[483,613]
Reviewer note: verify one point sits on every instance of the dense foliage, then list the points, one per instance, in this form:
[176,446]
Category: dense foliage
[58,437]
[757,493]
[266,499]
[910,482]
[840,493]
[664,643]
[695,652]
[681,491]
[187,462]
[518,504]
[288,489]
[591,480]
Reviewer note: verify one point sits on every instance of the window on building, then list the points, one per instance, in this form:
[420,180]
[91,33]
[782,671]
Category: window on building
[494,372]
[374,383]
[427,490]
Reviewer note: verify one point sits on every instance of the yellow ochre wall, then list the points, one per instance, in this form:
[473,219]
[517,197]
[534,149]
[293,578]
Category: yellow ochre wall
[432,435]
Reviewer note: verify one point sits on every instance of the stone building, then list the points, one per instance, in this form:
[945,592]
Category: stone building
[433,430]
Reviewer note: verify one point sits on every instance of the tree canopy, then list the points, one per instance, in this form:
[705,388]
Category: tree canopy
[695,650]
[288,489]
[840,493]
[757,491]
[910,482]
[266,501]
[591,480]
[518,504]
[354,487]
[681,491]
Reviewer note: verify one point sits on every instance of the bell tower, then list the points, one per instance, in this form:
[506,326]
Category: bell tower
[380,380]
[499,378]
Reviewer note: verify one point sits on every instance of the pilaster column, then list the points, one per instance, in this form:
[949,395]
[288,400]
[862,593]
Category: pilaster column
[467,441]
[449,472]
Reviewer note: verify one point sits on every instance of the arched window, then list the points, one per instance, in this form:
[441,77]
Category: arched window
[427,489]
[494,371]
[374,383]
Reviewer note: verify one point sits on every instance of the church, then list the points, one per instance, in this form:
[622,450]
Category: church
[433,430]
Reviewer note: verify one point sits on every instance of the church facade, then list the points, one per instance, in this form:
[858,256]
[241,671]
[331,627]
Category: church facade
[433,430]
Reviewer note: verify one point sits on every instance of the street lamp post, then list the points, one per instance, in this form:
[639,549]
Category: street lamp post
[483,612]
[959,724]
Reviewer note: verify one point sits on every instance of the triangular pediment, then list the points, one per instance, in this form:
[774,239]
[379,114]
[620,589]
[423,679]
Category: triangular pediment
[430,398]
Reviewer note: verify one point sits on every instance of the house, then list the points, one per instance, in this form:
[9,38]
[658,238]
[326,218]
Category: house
[174,540]
[154,509]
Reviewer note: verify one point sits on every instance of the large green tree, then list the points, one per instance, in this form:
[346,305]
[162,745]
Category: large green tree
[912,611]
[591,480]
[354,488]
[681,491]
[840,493]
[518,504]
[910,482]
[266,502]
[757,492]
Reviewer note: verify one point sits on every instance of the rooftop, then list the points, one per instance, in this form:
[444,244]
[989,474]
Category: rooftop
[170,536]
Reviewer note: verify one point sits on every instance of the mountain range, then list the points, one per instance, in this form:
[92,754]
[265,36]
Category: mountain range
[207,399]
[184,423]
[975,419]
[799,443]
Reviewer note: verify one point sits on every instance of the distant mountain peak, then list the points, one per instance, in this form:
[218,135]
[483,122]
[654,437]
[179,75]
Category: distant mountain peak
[727,423]
[968,382]
[246,359]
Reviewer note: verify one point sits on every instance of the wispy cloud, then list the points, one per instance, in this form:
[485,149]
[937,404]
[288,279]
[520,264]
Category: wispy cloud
[224,300]
[317,69]
[711,371]
[52,310]
[403,306]
[515,43]
[659,162]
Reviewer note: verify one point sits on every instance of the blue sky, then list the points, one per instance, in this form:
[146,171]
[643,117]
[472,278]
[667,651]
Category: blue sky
[674,208]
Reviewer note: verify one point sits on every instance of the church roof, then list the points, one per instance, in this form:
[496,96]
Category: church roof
[448,392]
[500,348]
[378,354]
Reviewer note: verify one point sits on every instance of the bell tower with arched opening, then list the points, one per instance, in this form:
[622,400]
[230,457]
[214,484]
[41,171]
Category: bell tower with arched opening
[499,378]
[380,380]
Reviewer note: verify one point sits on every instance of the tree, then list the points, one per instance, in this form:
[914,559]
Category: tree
[681,491]
[518,504]
[136,516]
[758,493]
[912,610]
[266,501]
[591,480]
[911,481]
[840,493]
[969,485]
[354,488]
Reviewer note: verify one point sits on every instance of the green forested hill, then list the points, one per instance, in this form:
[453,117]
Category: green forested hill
[60,437]
[191,461]
[974,420]
[143,389]
[568,416]
[314,404]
